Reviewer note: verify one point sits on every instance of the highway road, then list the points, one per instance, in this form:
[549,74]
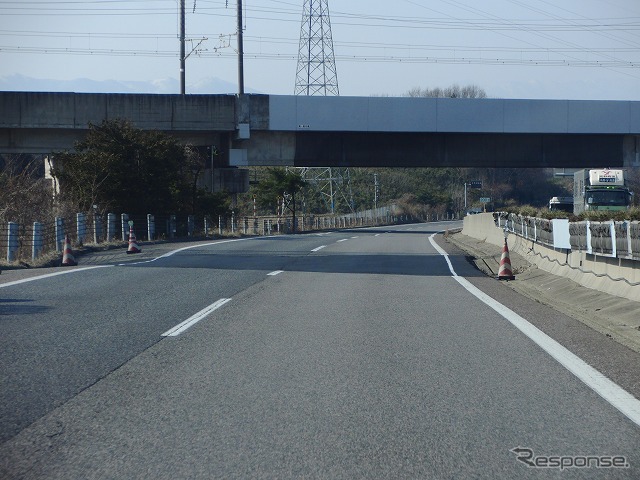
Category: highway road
[364,353]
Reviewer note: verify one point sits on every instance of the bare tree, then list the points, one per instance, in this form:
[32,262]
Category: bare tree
[25,195]
[454,91]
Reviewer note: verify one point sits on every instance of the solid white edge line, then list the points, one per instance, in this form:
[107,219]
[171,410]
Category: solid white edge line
[168,254]
[193,319]
[274,273]
[443,253]
[82,269]
[615,395]
[48,275]
[173,252]
[318,248]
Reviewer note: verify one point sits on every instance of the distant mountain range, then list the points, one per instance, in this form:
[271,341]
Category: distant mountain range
[211,85]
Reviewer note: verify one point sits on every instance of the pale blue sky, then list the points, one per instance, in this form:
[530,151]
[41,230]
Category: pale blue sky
[557,49]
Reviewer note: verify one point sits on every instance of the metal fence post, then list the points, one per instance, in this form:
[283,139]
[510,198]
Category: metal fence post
[36,248]
[111,226]
[172,226]
[12,241]
[612,232]
[220,224]
[190,225]
[151,227]
[125,223]
[81,227]
[97,228]
[59,227]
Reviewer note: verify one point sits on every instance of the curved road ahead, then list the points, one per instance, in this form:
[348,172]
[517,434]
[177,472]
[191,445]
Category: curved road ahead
[365,353]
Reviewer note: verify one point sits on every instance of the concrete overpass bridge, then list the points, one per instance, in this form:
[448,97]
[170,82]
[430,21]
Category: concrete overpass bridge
[269,130]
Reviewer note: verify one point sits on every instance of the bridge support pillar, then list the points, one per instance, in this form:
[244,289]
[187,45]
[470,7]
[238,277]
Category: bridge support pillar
[631,151]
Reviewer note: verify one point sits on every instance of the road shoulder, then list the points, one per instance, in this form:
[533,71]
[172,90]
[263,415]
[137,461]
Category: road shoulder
[615,317]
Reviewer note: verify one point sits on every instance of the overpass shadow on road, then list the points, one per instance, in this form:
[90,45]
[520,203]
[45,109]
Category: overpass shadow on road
[394,230]
[375,264]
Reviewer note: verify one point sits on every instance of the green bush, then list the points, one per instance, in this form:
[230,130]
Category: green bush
[595,216]
[524,210]
[599,216]
[528,211]
[551,214]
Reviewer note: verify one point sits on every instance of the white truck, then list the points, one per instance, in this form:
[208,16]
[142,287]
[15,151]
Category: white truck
[602,189]
[561,204]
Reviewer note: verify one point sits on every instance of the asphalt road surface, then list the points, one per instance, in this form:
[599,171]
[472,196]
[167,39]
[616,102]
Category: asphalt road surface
[364,353]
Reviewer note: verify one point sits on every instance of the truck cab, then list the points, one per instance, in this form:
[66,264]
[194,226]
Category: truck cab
[602,189]
[561,204]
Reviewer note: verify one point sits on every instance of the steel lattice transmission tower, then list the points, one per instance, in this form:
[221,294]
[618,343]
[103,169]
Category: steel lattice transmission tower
[316,72]
[316,75]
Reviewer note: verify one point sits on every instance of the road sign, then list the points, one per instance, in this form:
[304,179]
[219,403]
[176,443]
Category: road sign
[475,184]
[485,199]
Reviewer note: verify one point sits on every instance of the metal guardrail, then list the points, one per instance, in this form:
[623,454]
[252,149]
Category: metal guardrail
[618,239]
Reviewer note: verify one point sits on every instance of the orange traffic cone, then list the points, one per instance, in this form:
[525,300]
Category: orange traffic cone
[67,256]
[133,246]
[505,273]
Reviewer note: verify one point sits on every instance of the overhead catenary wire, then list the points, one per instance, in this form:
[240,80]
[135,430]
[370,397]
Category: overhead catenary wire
[621,55]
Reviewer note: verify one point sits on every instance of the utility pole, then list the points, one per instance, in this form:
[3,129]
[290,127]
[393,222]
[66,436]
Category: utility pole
[182,49]
[240,51]
[375,192]
[465,196]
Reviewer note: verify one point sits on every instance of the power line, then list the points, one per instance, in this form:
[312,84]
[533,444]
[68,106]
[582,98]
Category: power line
[546,36]
[562,52]
[463,60]
[292,42]
[388,21]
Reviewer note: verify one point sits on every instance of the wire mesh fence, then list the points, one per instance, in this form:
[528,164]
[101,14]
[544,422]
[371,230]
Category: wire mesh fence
[28,242]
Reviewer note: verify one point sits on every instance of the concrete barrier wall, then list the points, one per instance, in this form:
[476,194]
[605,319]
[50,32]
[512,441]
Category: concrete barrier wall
[46,110]
[615,276]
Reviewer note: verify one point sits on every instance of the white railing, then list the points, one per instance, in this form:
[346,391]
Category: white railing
[617,239]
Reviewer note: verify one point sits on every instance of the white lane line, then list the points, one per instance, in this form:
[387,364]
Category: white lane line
[39,277]
[137,263]
[173,252]
[319,248]
[193,319]
[353,237]
[342,240]
[607,389]
[377,234]
[276,272]
[443,253]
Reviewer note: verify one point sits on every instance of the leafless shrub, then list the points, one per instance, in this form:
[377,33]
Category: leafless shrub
[25,195]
